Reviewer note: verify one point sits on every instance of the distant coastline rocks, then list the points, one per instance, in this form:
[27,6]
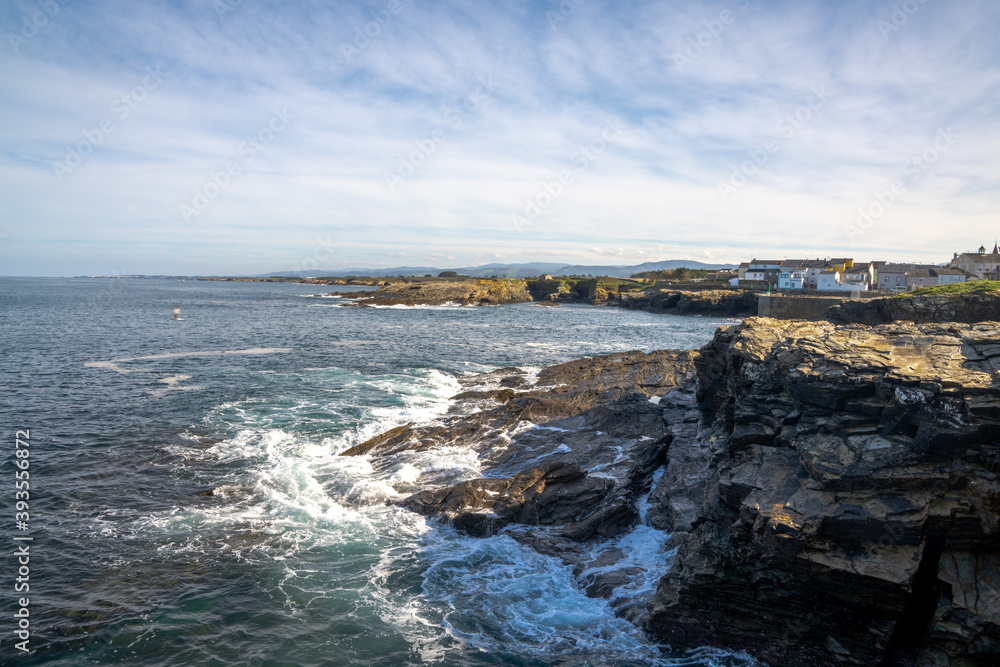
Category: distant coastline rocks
[624,293]
[471,292]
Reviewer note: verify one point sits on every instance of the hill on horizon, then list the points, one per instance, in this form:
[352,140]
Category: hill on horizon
[523,270]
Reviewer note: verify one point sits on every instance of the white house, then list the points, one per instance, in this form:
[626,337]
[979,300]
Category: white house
[791,279]
[830,281]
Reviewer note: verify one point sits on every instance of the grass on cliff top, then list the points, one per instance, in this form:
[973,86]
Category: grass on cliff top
[955,289]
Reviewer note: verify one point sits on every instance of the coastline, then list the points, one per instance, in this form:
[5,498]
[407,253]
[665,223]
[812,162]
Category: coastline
[753,456]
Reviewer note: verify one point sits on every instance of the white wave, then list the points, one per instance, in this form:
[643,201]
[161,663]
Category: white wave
[109,365]
[644,549]
[498,595]
[204,353]
[448,305]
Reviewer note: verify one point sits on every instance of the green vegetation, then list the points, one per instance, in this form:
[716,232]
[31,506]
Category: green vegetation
[955,289]
[681,273]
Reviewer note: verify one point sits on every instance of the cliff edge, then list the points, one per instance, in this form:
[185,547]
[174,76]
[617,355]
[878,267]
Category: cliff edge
[846,510]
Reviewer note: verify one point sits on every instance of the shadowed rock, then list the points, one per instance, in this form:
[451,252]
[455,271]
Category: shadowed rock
[967,308]
[573,453]
[850,495]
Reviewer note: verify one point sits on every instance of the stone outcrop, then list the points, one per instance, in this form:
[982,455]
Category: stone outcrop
[967,307]
[471,292]
[839,495]
[716,303]
[832,489]
[571,453]
[491,292]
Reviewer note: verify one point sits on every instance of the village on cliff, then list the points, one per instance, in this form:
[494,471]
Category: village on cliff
[844,274]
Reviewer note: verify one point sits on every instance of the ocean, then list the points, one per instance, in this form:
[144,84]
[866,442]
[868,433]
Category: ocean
[188,507]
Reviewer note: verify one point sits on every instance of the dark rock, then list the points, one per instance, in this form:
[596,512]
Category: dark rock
[849,496]
[966,308]
[394,438]
[589,451]
[716,303]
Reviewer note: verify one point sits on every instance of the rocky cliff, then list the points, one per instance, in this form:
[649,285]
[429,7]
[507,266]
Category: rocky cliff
[963,307]
[717,303]
[831,489]
[840,496]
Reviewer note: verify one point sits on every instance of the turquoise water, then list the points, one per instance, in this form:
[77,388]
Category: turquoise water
[295,558]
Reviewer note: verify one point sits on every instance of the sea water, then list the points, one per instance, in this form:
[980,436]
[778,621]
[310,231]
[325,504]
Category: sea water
[188,507]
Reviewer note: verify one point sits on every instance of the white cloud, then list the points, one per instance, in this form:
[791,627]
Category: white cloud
[651,194]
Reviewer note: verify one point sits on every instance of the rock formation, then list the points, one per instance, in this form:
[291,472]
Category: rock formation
[565,462]
[491,292]
[832,489]
[472,292]
[848,511]
[717,303]
[573,452]
[970,307]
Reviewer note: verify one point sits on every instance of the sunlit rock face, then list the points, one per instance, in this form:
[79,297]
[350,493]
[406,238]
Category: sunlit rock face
[472,292]
[840,492]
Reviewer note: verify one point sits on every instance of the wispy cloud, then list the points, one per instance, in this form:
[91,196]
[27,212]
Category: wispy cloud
[653,194]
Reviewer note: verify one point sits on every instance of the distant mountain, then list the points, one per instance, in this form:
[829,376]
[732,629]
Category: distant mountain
[626,271]
[525,270]
[394,271]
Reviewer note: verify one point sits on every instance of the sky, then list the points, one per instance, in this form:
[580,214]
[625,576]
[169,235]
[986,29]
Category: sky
[236,137]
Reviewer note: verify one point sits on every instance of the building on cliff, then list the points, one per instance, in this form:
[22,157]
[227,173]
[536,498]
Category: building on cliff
[984,265]
[838,274]
[904,277]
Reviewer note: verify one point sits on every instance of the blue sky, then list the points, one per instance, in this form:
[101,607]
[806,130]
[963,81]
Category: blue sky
[234,137]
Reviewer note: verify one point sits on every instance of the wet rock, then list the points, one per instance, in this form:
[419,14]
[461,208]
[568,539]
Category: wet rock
[394,438]
[573,453]
[498,395]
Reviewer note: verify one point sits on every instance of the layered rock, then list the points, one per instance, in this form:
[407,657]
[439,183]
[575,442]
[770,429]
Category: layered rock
[572,453]
[717,303]
[472,292]
[965,307]
[840,495]
[491,292]
[832,488]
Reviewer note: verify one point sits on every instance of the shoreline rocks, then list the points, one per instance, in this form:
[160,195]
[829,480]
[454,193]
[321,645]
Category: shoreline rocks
[439,293]
[853,503]
[832,489]
[492,292]
[716,303]
[572,453]
[967,308]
